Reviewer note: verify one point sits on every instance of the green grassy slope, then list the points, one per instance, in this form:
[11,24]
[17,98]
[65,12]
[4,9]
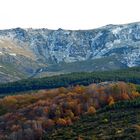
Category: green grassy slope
[10,69]
[107,63]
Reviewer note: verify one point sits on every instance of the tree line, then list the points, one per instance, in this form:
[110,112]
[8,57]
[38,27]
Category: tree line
[129,75]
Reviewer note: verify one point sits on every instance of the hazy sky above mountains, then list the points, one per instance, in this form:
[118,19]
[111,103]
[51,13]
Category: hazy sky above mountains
[67,14]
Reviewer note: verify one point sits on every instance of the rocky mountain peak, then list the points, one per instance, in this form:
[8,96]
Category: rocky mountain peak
[119,43]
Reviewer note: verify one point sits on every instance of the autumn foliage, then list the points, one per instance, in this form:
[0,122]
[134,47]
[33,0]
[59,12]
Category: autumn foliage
[91,110]
[28,116]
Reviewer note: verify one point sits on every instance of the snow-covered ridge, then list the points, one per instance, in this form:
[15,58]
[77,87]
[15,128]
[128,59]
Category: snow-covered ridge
[55,46]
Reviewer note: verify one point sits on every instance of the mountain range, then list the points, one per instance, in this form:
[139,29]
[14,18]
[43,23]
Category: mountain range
[26,53]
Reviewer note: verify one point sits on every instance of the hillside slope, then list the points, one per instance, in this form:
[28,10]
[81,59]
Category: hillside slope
[130,75]
[113,123]
[31,116]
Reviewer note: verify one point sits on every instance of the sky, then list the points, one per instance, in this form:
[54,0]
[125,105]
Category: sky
[67,14]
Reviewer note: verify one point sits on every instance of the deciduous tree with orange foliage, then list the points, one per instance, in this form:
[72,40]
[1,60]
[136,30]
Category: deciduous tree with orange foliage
[111,100]
[91,110]
[61,122]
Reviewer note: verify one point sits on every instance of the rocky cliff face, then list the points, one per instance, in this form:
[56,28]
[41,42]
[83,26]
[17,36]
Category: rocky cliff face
[36,49]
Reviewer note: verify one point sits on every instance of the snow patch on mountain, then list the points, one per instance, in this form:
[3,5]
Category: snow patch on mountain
[13,54]
[116,30]
[56,46]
